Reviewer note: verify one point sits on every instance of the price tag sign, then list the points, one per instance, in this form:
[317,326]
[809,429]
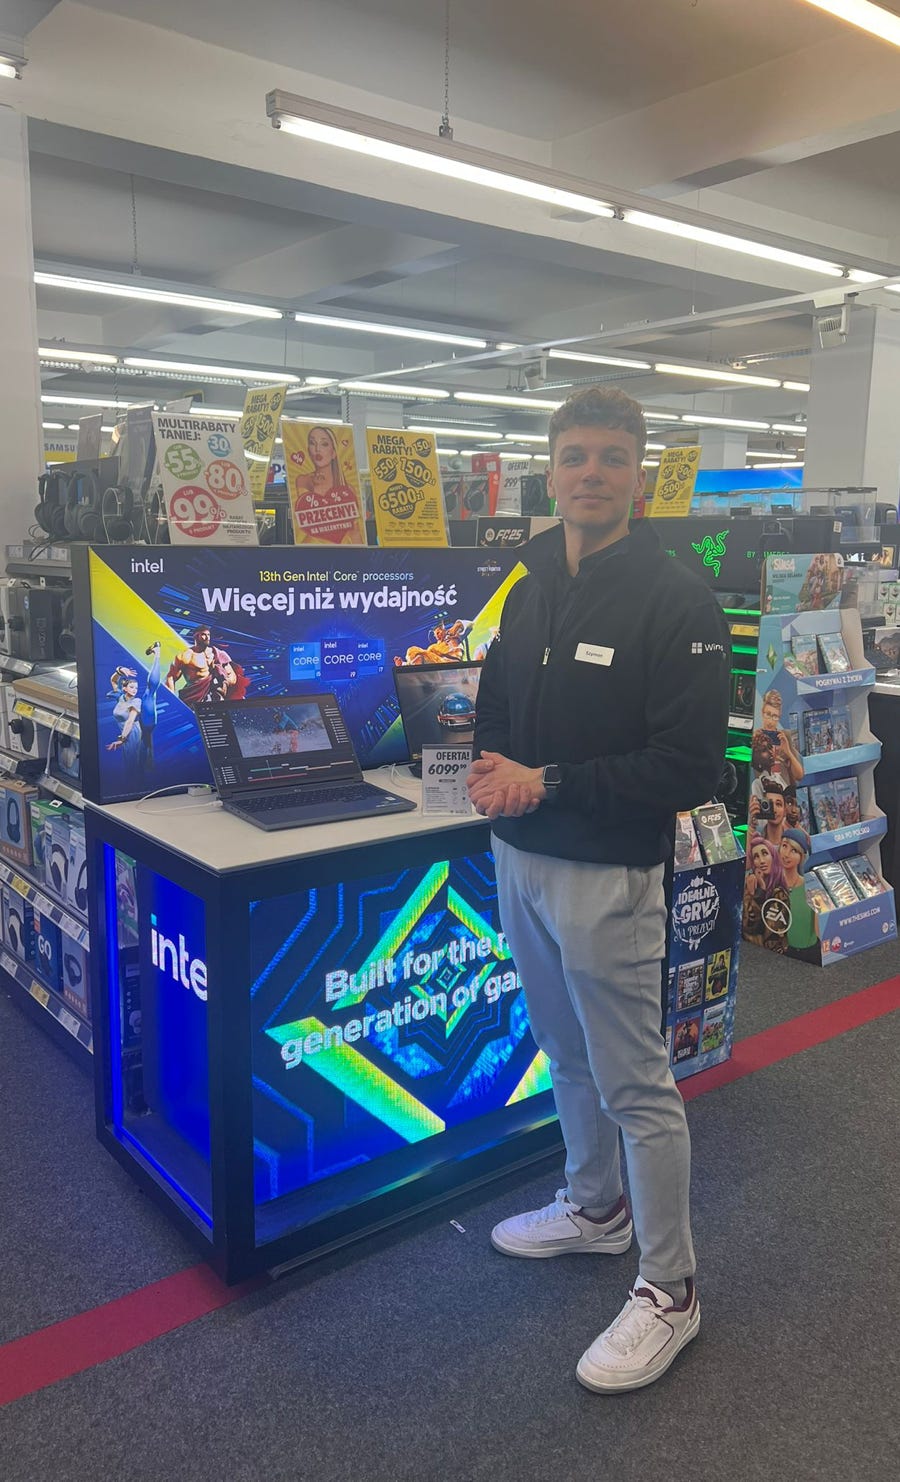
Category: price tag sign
[444,771]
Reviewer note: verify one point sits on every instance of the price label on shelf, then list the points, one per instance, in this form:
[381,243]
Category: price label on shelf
[24,707]
[38,991]
[19,885]
[444,770]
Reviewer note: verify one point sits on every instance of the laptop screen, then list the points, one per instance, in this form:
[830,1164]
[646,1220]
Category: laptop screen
[269,741]
[437,704]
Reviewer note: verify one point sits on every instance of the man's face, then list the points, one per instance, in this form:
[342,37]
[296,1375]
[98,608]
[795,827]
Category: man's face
[771,718]
[202,638]
[594,477]
[776,800]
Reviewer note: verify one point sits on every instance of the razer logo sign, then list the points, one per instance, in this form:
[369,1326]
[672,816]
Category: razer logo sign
[711,550]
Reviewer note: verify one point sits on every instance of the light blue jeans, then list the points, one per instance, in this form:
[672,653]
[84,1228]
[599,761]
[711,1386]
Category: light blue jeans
[587,940]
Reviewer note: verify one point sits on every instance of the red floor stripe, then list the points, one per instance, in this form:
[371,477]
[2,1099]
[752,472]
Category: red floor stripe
[102,1333]
[803,1033]
[78,1343]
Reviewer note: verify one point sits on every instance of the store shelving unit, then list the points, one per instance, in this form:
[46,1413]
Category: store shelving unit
[55,711]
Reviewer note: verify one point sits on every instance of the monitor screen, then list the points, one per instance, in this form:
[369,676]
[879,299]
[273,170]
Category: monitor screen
[163,633]
[263,741]
[437,704]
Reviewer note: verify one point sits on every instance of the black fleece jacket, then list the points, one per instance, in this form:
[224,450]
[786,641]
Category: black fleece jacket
[620,675]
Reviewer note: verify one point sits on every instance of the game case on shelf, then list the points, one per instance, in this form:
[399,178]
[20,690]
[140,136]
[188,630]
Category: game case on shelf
[863,876]
[689,989]
[743,690]
[834,653]
[714,832]
[717,970]
[806,653]
[817,896]
[713,1036]
[823,801]
[839,885]
[841,727]
[687,849]
[846,792]
[817,732]
[807,820]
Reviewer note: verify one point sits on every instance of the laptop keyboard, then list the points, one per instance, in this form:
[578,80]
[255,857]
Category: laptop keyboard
[308,797]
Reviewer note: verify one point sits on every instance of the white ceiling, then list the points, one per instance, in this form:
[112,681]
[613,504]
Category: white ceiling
[770,115]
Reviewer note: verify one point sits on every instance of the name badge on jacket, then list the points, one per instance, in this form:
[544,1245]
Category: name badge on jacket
[591,653]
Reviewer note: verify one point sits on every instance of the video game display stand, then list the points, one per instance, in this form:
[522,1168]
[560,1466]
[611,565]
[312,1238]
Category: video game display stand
[814,888]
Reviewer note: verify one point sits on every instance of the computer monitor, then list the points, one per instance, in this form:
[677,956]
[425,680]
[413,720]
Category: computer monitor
[437,705]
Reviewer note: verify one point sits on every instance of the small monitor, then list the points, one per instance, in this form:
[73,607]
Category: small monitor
[437,704]
[262,741]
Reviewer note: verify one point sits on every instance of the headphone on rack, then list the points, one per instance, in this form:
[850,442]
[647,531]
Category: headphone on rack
[156,522]
[119,519]
[58,867]
[66,639]
[50,510]
[72,969]
[15,925]
[81,512]
[81,890]
[13,819]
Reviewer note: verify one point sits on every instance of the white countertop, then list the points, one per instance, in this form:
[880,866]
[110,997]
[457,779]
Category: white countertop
[201,831]
[887,686]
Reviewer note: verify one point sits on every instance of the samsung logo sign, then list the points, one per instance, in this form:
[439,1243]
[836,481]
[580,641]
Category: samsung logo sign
[175,959]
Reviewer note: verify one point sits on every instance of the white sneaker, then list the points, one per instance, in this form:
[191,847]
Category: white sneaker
[642,1342]
[560,1229]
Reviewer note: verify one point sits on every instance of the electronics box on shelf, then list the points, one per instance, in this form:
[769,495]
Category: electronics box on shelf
[64,759]
[40,812]
[18,924]
[26,736]
[15,826]
[57,846]
[77,892]
[47,950]
[74,970]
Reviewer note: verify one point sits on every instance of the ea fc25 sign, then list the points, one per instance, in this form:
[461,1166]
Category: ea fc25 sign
[675,482]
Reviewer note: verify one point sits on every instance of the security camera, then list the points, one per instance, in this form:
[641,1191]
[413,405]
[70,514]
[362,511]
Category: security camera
[535,373]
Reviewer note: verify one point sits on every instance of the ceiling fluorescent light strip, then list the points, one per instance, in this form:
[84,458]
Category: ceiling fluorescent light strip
[321,123]
[398,331]
[79,357]
[479,398]
[696,419]
[156,296]
[88,401]
[711,373]
[480,434]
[795,385]
[184,367]
[405,393]
[526,437]
[797,428]
[614,360]
[868,17]
[733,244]
[358,132]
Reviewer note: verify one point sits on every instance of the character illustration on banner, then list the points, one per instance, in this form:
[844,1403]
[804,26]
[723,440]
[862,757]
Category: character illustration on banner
[448,645]
[208,672]
[135,713]
[326,508]
[766,897]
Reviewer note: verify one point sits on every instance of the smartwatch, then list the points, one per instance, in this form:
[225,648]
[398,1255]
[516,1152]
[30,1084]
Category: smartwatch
[552,780]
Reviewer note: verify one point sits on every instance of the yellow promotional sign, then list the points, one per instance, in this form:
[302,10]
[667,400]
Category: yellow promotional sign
[406,488]
[675,481]
[323,483]
[263,406]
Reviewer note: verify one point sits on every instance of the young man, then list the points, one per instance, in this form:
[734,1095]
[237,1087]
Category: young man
[602,711]
[768,815]
[207,671]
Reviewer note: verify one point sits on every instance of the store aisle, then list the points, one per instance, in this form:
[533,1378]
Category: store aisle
[426,1353]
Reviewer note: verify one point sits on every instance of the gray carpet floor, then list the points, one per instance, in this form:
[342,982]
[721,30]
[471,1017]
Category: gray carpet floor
[425,1355]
